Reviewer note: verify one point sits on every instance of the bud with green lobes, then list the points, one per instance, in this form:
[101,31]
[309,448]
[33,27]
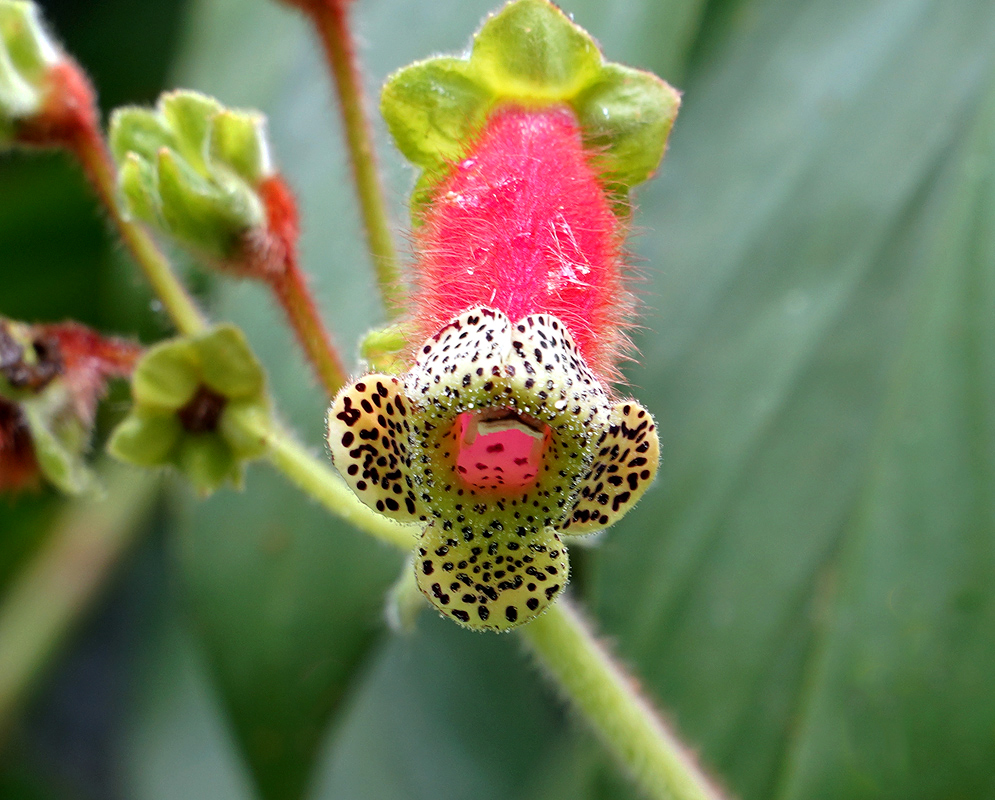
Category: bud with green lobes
[202,174]
[199,403]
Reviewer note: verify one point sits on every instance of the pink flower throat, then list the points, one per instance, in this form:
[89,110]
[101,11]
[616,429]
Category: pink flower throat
[499,448]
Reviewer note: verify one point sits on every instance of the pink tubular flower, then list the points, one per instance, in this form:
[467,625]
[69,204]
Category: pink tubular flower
[505,433]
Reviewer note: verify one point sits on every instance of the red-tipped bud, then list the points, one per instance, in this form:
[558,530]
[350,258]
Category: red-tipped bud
[46,100]
[51,378]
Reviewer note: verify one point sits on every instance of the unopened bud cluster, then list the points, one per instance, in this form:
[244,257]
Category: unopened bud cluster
[198,172]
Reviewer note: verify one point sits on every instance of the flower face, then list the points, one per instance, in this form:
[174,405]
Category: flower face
[500,438]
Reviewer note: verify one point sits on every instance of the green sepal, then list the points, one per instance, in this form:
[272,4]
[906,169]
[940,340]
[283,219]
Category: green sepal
[386,349]
[432,107]
[167,379]
[529,53]
[531,50]
[59,439]
[239,424]
[228,365]
[146,438]
[139,133]
[189,117]
[210,217]
[27,53]
[192,168]
[137,182]
[626,116]
[239,140]
[208,462]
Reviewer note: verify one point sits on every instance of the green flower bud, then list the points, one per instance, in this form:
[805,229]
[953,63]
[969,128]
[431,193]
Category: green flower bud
[27,54]
[198,405]
[193,169]
[530,53]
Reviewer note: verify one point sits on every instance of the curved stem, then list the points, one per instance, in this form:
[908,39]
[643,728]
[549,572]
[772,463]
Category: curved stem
[298,303]
[625,721]
[91,150]
[332,25]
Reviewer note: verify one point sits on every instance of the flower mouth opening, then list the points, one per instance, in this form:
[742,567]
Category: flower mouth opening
[499,448]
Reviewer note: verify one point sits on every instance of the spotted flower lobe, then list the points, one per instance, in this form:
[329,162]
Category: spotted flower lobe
[368,437]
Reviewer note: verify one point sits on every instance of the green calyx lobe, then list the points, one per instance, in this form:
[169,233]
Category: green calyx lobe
[529,53]
[192,168]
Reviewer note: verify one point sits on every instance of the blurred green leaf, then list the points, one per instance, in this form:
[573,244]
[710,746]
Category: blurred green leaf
[808,589]
[174,742]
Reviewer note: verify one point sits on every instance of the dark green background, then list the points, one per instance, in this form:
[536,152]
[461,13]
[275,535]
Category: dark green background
[809,589]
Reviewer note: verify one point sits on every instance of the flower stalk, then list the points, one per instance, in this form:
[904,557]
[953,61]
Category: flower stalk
[331,23]
[289,285]
[624,720]
[92,152]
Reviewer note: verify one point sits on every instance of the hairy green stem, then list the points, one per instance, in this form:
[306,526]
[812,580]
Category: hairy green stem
[62,580]
[91,151]
[626,722]
[332,25]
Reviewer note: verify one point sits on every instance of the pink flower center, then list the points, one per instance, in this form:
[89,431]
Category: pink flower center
[499,448]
